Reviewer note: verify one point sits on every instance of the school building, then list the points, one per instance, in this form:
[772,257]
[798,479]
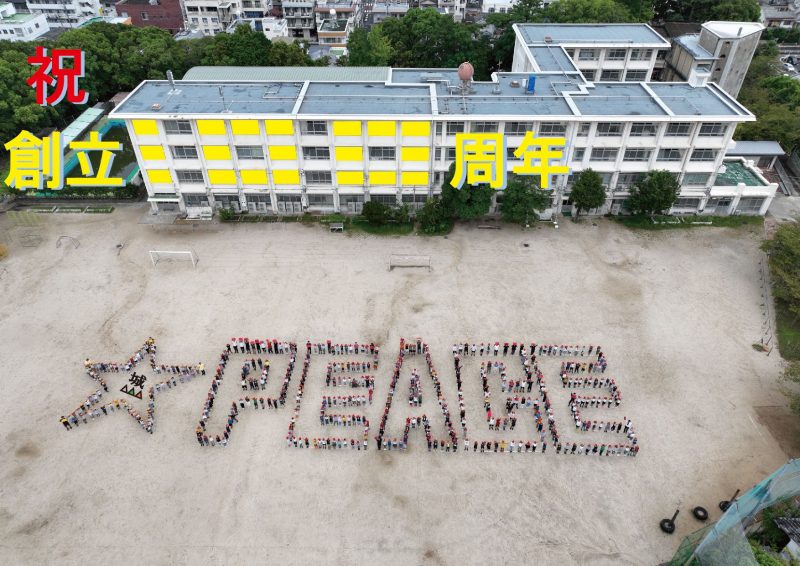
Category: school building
[322,139]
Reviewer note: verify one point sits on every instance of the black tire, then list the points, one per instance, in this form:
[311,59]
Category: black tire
[700,513]
[667,525]
[723,505]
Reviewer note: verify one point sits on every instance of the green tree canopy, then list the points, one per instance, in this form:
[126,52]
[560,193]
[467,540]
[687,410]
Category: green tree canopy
[654,194]
[368,48]
[586,11]
[244,47]
[468,202]
[376,212]
[426,38]
[588,191]
[707,10]
[522,199]
[434,217]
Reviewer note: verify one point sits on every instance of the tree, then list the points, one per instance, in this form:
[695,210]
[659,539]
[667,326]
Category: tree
[640,10]
[707,10]
[434,217]
[586,11]
[588,191]
[426,38]
[284,54]
[526,11]
[736,11]
[522,198]
[368,49]
[468,202]
[784,264]
[654,194]
[376,212]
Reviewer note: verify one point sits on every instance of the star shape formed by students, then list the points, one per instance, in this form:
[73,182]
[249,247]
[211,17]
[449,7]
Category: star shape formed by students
[96,406]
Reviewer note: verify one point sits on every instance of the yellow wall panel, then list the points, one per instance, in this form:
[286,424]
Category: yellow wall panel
[346,128]
[145,127]
[221,177]
[159,176]
[355,153]
[253,176]
[382,178]
[279,127]
[409,178]
[282,152]
[211,127]
[415,128]
[414,154]
[350,177]
[245,127]
[152,152]
[217,152]
[286,177]
[381,128]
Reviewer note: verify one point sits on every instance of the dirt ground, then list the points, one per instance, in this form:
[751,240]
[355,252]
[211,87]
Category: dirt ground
[676,313]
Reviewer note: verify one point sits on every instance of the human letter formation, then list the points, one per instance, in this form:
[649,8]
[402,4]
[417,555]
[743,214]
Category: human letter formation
[582,372]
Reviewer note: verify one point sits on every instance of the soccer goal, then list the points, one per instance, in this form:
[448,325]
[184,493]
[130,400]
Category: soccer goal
[157,256]
[402,260]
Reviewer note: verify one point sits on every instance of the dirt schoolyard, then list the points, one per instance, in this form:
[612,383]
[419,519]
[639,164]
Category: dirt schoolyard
[676,313]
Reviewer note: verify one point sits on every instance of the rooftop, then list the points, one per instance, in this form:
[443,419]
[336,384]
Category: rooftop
[333,25]
[552,58]
[590,33]
[287,74]
[733,29]
[18,18]
[754,148]
[790,526]
[692,44]
[736,172]
[421,91]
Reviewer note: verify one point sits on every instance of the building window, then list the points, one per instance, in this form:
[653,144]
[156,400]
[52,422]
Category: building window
[611,75]
[604,154]
[450,153]
[679,129]
[484,127]
[609,129]
[438,128]
[570,53]
[183,151]
[145,17]
[454,128]
[587,55]
[578,153]
[192,199]
[518,128]
[750,205]
[318,177]
[643,129]
[669,154]
[315,127]
[227,201]
[189,176]
[382,153]
[320,200]
[249,152]
[616,54]
[552,129]
[641,54]
[177,126]
[316,153]
[289,198]
[391,200]
[627,180]
[712,129]
[437,154]
[510,153]
[583,129]
[703,155]
[687,202]
[699,179]
[636,76]
[414,199]
[638,154]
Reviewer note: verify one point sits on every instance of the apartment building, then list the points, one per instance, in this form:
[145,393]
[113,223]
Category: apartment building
[376,12]
[300,18]
[164,14]
[336,19]
[66,13]
[329,139]
[20,26]
[213,16]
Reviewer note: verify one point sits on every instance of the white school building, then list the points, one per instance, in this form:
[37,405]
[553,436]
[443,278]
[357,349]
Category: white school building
[327,139]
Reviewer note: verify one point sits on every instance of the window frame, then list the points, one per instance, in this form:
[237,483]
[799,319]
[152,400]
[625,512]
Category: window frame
[191,172]
[609,134]
[175,150]
[670,149]
[179,124]
[312,152]
[605,152]
[327,177]
[250,148]
[382,152]
[314,128]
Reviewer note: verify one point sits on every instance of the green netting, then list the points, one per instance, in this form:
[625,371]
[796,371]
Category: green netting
[725,542]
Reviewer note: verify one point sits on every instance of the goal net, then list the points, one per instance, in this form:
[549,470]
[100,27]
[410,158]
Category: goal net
[157,256]
[405,260]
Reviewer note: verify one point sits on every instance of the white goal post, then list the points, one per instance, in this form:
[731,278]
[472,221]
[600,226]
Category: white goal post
[173,255]
[405,260]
